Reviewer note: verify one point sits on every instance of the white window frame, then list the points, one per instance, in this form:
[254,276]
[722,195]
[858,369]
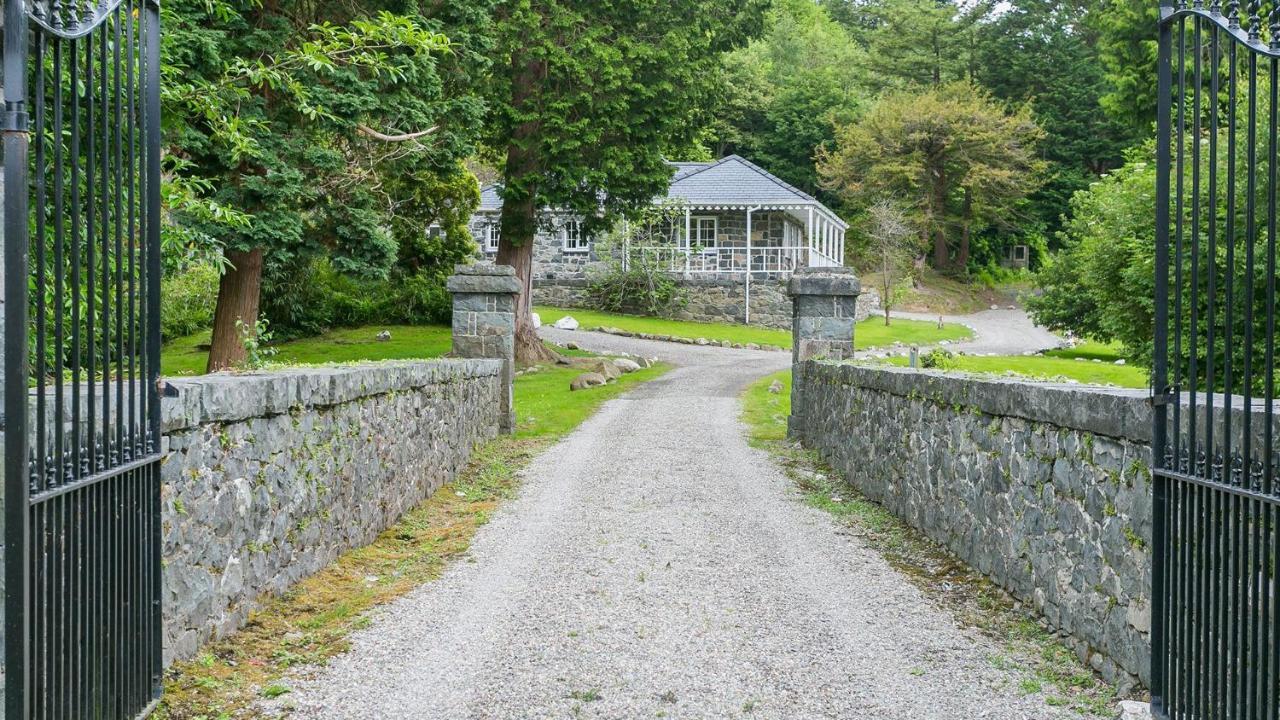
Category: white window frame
[575,241]
[695,230]
[492,235]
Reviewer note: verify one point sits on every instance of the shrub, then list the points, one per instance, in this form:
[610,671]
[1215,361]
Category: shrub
[638,289]
[307,301]
[187,300]
[938,359]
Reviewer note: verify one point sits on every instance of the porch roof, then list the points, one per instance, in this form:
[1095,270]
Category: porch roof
[731,183]
[734,182]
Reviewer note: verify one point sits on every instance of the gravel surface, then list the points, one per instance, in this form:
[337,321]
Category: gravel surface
[998,332]
[655,565]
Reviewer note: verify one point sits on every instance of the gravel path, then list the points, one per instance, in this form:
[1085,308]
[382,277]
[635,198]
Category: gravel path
[997,332]
[655,565]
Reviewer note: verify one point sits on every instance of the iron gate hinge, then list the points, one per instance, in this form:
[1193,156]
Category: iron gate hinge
[1169,397]
[14,121]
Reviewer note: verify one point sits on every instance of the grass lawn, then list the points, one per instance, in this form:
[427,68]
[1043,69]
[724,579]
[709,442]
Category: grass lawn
[313,620]
[869,333]
[1076,363]
[185,357]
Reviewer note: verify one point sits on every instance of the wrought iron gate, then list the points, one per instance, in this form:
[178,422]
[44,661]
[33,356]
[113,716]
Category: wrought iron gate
[1216,630]
[82,350]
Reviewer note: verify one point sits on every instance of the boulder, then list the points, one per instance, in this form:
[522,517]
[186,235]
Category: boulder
[642,362]
[537,320]
[1134,710]
[625,365]
[587,380]
[600,366]
[566,323]
[384,336]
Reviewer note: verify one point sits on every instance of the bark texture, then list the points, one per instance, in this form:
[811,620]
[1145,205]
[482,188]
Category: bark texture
[238,295]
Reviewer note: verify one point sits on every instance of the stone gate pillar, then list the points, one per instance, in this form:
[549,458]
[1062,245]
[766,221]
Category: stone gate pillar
[484,323]
[823,304]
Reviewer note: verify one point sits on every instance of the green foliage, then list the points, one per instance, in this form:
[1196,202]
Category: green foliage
[187,299]
[315,298]
[938,359]
[1126,32]
[953,157]
[635,289]
[1101,284]
[785,93]
[590,96]
[256,339]
[322,130]
[1041,53]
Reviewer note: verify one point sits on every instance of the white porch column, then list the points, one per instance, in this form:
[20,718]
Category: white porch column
[840,247]
[808,237]
[688,238]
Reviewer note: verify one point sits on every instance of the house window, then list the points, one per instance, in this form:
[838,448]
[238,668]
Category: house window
[703,230]
[572,238]
[491,234]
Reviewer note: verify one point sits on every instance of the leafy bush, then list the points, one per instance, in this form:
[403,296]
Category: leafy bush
[187,300]
[638,289]
[307,301]
[938,359]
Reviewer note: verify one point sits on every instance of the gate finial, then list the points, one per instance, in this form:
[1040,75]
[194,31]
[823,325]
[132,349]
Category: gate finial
[1275,27]
[1255,22]
[1233,14]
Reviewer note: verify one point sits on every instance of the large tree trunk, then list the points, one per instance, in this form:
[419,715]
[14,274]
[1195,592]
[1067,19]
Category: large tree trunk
[238,294]
[519,220]
[938,212]
[962,258]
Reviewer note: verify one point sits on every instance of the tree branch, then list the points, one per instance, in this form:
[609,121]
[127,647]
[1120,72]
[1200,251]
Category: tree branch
[370,132]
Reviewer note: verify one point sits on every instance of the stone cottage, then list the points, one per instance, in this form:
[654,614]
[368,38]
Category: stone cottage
[742,233]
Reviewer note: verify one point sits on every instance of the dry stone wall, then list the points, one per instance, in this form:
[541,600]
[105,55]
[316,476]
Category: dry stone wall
[1043,488]
[269,477]
[711,297]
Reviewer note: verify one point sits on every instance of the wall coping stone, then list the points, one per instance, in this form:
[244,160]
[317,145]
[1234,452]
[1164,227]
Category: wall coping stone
[230,397]
[1112,412]
[483,279]
[824,281]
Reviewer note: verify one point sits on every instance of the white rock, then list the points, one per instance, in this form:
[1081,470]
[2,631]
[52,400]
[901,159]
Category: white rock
[1134,710]
[567,323]
[537,319]
[1120,361]
[625,365]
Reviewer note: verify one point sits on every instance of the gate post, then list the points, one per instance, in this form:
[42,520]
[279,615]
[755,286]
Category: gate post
[484,324]
[823,305]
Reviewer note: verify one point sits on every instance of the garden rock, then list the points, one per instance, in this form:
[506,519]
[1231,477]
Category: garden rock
[384,336]
[567,323]
[587,380]
[1134,710]
[536,319]
[625,365]
[775,387]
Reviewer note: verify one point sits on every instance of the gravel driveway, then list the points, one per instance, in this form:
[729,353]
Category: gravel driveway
[999,332]
[655,565]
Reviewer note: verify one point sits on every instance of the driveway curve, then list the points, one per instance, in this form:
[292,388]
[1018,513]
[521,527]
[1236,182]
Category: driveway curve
[653,565]
[1002,331]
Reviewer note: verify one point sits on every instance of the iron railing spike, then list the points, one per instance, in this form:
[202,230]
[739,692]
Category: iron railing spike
[1233,14]
[1255,22]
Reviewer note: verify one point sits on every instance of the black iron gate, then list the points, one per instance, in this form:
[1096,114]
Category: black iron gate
[1216,630]
[82,350]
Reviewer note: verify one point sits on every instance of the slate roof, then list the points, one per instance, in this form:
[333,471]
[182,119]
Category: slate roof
[732,181]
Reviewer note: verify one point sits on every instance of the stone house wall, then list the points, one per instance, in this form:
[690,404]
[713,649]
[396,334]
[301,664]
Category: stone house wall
[712,297]
[269,477]
[1045,489]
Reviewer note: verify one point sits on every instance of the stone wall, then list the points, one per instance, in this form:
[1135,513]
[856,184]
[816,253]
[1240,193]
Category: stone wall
[269,477]
[1043,488]
[712,297]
